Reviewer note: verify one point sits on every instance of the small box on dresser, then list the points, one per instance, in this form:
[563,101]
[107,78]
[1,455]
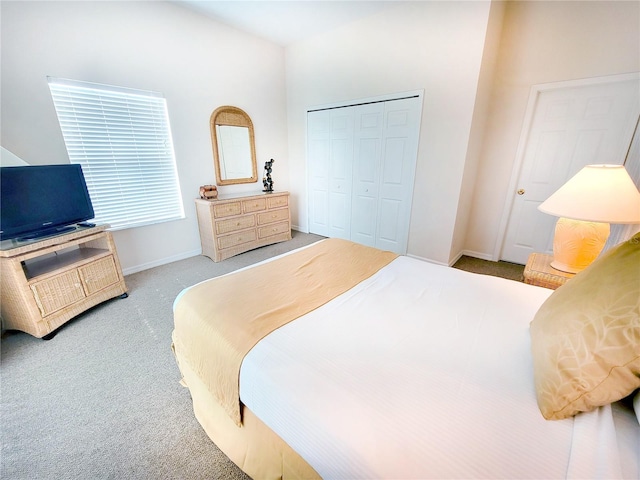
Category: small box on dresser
[233,224]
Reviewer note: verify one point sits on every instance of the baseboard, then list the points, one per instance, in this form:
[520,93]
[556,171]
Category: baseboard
[428,260]
[481,256]
[175,258]
[162,261]
[468,253]
[455,259]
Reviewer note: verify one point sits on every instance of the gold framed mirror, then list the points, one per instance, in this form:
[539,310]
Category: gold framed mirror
[234,150]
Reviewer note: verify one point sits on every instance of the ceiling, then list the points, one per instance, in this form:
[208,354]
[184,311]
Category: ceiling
[286,21]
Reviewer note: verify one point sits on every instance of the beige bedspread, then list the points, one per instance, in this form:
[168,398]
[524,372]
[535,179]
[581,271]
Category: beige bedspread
[218,321]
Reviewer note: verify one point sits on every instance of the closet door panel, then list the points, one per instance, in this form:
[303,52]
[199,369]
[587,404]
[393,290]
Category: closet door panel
[390,212]
[366,175]
[340,172]
[318,163]
[399,153]
[363,223]
[393,166]
[319,219]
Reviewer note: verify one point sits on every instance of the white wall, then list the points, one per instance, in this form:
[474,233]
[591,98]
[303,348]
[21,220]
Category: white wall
[196,63]
[478,128]
[8,159]
[470,125]
[542,42]
[435,46]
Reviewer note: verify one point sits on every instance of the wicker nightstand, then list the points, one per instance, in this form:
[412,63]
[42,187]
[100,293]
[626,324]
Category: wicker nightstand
[538,271]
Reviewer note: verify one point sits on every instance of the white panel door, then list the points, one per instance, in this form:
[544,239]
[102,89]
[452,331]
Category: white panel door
[571,127]
[367,164]
[330,157]
[399,155]
[340,172]
[361,164]
[318,162]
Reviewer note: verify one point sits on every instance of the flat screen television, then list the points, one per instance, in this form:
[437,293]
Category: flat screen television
[44,200]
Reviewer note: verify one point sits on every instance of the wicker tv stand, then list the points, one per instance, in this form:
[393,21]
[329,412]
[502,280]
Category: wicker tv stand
[47,282]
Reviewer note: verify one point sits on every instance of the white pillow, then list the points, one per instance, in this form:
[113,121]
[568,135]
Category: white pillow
[636,404]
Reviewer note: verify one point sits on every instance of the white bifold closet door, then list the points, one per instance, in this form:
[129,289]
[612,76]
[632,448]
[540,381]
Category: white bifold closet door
[361,164]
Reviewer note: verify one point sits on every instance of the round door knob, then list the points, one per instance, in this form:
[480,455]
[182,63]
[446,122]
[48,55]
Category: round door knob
[520,192]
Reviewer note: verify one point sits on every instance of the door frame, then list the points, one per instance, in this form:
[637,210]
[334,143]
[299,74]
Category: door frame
[516,170]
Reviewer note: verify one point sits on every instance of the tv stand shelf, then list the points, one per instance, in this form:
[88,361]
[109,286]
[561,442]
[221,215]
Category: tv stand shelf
[42,266]
[48,282]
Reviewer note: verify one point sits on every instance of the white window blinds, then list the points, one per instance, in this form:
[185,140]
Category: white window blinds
[122,139]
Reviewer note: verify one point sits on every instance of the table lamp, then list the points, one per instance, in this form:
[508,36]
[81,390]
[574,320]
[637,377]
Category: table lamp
[595,197]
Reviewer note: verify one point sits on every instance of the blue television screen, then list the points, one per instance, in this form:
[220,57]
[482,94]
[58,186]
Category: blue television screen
[42,200]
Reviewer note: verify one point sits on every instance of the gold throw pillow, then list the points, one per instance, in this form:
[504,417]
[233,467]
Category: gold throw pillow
[585,338]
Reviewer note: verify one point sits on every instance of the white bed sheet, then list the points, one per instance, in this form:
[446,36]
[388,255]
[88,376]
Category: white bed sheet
[423,371]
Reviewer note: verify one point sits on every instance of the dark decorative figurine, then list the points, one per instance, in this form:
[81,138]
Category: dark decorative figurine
[267,182]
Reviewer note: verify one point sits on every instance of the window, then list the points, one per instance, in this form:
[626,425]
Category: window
[122,139]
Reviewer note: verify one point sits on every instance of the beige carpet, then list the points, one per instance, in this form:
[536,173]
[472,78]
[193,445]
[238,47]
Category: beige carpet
[512,271]
[102,399]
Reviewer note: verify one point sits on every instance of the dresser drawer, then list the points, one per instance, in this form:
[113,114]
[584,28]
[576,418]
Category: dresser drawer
[235,224]
[254,205]
[278,201]
[273,216]
[275,229]
[228,241]
[227,209]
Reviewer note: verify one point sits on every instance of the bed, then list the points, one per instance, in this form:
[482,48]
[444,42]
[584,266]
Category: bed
[340,361]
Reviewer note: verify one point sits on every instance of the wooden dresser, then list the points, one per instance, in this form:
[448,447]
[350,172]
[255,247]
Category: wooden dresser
[234,224]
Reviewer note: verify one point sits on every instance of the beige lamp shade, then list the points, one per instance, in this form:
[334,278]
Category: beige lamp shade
[597,193]
[596,196]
